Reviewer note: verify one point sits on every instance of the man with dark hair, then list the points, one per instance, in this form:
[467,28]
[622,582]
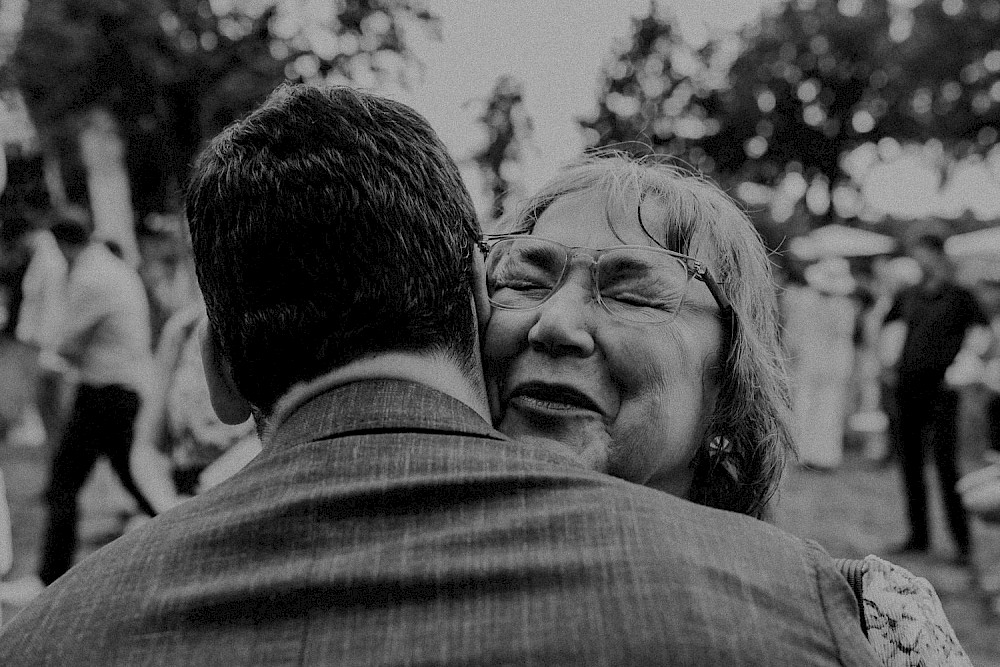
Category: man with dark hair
[385,521]
[936,315]
[289,298]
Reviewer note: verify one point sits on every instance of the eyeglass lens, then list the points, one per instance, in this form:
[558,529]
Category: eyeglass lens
[635,284]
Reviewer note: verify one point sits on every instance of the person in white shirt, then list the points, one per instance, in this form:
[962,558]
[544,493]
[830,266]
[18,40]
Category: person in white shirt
[106,338]
[38,326]
[820,333]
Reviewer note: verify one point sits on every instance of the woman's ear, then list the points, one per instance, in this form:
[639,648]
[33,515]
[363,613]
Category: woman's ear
[228,403]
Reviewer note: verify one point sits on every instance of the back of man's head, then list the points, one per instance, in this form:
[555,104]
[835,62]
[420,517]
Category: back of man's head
[327,225]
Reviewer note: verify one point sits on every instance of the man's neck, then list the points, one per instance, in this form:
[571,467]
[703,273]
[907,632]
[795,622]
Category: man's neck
[437,371]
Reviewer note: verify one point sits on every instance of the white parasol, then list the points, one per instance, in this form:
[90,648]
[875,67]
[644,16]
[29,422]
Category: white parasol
[841,241]
[984,242]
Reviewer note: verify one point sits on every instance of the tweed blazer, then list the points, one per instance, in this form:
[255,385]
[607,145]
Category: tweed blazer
[385,523]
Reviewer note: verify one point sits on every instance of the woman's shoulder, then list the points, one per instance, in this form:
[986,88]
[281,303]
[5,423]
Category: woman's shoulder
[905,620]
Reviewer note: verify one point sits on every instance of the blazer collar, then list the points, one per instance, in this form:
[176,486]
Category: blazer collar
[323,409]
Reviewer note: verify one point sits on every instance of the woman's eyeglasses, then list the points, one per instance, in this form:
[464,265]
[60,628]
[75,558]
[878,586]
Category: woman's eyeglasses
[641,284]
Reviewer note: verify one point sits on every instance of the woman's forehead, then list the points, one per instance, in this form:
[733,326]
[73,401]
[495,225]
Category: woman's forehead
[593,219]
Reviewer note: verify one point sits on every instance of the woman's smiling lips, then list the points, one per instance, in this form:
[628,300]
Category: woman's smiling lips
[551,399]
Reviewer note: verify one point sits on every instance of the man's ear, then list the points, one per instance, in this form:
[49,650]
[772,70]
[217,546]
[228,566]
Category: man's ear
[484,310]
[479,294]
[228,403]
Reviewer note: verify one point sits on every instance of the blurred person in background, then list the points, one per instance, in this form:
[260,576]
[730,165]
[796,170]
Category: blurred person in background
[820,333]
[106,340]
[991,372]
[980,489]
[181,447]
[6,536]
[31,383]
[17,365]
[17,362]
[891,277]
[930,321]
[867,423]
[39,326]
[166,268]
[980,492]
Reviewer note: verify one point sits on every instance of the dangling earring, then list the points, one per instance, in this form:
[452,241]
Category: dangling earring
[719,450]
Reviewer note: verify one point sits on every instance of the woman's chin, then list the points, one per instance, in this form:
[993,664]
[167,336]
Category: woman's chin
[580,433]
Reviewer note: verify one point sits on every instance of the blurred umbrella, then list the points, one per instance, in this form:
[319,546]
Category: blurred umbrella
[841,241]
[973,244]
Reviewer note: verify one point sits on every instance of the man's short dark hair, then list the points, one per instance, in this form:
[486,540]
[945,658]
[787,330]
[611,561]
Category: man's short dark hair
[328,224]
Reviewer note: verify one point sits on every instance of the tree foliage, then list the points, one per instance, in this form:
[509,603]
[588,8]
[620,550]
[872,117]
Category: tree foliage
[173,73]
[508,128]
[807,83]
[654,92]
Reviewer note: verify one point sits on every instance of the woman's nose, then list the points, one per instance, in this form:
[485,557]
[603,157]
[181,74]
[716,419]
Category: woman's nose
[564,323]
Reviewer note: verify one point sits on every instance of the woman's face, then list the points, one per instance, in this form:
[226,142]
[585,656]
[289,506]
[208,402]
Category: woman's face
[631,399]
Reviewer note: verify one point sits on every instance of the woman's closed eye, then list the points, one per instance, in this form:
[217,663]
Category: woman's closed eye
[520,283]
[648,293]
[641,300]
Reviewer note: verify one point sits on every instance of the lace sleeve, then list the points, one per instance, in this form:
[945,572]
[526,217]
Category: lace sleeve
[906,623]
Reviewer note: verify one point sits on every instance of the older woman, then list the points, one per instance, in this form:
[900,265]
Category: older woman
[636,301]
[635,322]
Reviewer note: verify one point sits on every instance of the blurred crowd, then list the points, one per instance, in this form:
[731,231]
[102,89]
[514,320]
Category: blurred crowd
[101,357]
[843,355]
[885,350]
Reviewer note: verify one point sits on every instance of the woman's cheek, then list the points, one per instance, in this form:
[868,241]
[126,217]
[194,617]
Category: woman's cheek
[500,346]
[506,333]
[660,380]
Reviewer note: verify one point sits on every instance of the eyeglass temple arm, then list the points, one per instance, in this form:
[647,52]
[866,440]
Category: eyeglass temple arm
[700,270]
[725,305]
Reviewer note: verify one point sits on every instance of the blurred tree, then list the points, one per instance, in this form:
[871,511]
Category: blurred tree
[798,90]
[172,73]
[508,128]
[654,93]
[952,76]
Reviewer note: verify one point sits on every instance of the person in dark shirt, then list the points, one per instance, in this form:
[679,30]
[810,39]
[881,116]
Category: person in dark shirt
[937,315]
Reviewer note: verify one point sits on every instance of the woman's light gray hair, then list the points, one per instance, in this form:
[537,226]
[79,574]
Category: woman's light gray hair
[751,409]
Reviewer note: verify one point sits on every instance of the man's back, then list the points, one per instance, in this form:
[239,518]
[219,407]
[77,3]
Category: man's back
[386,523]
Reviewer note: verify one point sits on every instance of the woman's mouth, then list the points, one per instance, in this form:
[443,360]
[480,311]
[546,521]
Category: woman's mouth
[550,399]
[565,417]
